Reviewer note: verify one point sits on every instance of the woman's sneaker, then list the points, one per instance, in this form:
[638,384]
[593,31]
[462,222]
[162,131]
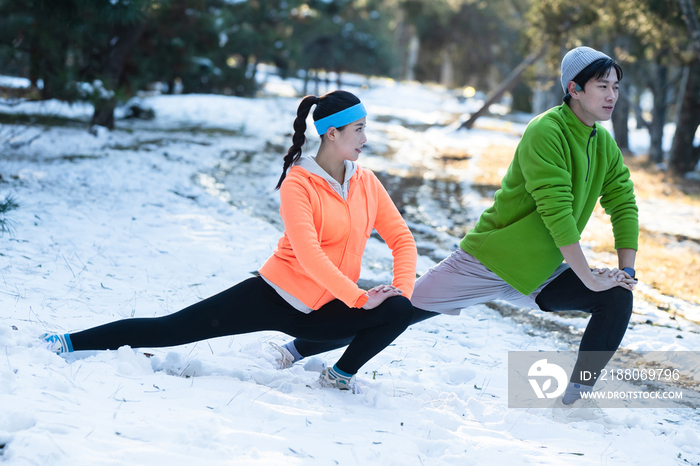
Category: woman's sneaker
[57,343]
[331,379]
[283,357]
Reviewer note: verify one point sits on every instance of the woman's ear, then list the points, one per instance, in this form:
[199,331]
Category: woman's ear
[332,133]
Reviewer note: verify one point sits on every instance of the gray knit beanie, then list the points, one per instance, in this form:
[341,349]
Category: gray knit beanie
[575,61]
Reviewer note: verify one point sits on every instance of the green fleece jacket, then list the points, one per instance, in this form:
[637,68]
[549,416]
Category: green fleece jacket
[547,196]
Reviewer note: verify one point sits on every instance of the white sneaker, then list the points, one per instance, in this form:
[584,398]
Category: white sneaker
[583,409]
[283,357]
[327,380]
[56,343]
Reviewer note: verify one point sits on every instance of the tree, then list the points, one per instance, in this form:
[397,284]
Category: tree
[684,154]
[74,41]
[343,36]
[510,81]
[31,30]
[182,43]
[644,36]
[107,43]
[470,41]
[252,32]
[652,40]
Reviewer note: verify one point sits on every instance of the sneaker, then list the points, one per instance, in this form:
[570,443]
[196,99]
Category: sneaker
[283,357]
[583,409]
[57,343]
[329,380]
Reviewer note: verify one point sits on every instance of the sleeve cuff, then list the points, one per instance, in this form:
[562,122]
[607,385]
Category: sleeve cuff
[361,301]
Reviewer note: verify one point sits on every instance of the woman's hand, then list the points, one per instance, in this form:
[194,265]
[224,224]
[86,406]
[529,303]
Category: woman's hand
[378,294]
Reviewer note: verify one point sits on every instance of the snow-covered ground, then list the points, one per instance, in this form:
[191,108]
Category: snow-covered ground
[149,218]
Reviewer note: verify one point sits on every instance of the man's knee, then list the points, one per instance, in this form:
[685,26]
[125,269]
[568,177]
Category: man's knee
[618,301]
[426,283]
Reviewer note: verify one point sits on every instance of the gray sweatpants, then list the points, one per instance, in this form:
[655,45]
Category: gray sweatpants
[461,281]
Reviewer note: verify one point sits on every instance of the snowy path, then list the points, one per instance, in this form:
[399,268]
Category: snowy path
[111,228]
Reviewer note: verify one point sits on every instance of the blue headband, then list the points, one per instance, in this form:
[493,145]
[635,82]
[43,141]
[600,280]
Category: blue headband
[341,118]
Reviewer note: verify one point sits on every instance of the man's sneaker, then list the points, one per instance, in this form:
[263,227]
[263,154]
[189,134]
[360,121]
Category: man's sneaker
[57,343]
[329,379]
[583,409]
[283,357]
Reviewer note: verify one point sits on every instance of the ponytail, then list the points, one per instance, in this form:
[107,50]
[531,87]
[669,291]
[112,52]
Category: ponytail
[298,140]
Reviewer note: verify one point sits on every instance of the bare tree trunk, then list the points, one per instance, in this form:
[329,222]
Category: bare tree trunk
[620,119]
[401,38]
[684,155]
[634,101]
[681,91]
[659,112]
[511,80]
[127,39]
[306,83]
[412,60]
[446,69]
[104,113]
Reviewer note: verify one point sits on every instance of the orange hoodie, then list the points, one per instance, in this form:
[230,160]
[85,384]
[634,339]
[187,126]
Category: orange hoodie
[320,255]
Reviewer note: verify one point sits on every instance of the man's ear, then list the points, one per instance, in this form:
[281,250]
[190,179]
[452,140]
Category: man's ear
[573,88]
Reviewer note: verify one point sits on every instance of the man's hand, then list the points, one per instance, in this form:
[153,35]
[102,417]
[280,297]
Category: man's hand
[594,279]
[621,278]
[378,294]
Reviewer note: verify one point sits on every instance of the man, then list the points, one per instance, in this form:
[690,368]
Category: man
[564,163]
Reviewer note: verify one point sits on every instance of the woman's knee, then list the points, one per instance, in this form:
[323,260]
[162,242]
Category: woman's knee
[397,310]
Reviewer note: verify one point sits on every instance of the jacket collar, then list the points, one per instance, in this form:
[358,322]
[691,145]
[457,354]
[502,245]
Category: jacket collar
[577,128]
[309,164]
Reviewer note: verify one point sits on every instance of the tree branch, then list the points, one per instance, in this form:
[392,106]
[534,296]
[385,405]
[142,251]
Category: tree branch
[509,83]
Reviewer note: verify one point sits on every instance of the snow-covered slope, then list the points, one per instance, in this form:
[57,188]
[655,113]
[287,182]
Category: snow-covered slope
[132,223]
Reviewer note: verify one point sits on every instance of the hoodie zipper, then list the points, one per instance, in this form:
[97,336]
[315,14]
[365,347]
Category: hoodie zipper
[346,203]
[588,157]
[324,185]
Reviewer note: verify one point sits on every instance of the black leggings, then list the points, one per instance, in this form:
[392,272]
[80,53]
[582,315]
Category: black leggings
[252,306]
[610,313]
[309,348]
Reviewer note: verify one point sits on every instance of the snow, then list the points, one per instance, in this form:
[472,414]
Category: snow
[138,222]
[11,81]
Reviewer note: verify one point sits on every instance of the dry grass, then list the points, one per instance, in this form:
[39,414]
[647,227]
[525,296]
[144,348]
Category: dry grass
[493,163]
[670,266]
[652,183]
[662,262]
[457,159]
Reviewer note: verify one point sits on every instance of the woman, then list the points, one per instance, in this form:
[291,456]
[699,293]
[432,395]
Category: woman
[307,288]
